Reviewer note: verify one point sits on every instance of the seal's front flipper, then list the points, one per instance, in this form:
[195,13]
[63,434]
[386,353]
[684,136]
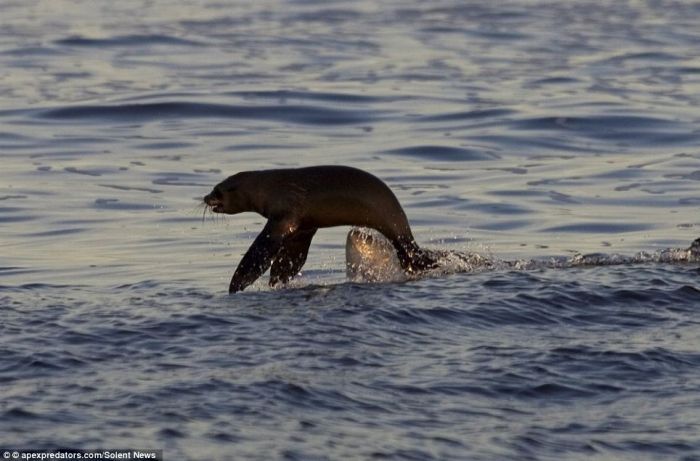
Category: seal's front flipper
[291,257]
[259,256]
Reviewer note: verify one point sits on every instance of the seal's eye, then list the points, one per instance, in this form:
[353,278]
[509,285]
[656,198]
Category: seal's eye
[217,194]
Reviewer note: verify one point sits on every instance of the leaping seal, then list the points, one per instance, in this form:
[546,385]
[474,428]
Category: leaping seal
[297,202]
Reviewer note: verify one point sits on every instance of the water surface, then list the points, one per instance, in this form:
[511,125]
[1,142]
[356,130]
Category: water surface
[517,129]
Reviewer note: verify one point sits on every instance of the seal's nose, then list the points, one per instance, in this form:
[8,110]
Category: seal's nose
[214,198]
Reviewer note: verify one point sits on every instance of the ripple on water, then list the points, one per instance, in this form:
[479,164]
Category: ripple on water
[298,114]
[467,115]
[126,41]
[441,153]
[599,228]
[625,128]
[118,204]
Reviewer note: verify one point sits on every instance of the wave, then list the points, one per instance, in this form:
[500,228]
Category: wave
[627,128]
[441,153]
[126,40]
[302,114]
[316,96]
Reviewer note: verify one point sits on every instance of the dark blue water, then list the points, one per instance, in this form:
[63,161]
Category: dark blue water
[515,129]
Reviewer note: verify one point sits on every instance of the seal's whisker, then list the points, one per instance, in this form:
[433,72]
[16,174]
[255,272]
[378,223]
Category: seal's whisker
[200,208]
[194,209]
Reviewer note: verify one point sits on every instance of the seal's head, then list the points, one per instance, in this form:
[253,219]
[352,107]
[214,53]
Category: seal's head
[230,196]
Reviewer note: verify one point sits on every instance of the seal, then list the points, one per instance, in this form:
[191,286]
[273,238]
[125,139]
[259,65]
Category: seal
[297,202]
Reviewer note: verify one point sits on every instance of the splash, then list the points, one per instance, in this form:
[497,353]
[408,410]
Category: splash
[370,257]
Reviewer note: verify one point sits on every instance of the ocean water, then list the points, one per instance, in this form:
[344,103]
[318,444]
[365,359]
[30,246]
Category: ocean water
[514,129]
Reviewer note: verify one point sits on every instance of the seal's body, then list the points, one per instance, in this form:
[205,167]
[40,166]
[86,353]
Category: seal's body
[297,202]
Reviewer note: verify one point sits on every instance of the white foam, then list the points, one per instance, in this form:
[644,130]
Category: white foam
[370,257]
